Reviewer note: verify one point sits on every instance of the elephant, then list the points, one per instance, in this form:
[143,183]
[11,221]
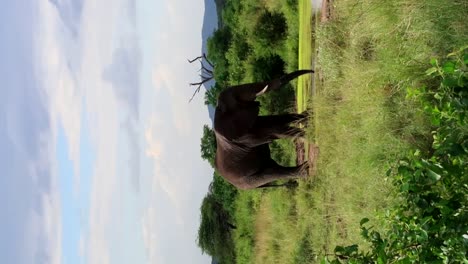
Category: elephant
[242,135]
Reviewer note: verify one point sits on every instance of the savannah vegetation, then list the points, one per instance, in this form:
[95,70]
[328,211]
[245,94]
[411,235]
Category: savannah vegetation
[388,111]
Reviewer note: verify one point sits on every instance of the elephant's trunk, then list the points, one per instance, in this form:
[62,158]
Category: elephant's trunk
[288,77]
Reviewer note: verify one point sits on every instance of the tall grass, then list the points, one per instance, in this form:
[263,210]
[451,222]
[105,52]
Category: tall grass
[368,55]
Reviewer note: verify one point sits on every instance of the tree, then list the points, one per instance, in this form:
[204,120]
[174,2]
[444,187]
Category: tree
[211,95]
[224,192]
[271,28]
[208,145]
[267,68]
[214,233]
[219,43]
[217,46]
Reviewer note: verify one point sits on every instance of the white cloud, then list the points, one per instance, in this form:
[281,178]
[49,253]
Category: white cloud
[104,183]
[82,90]
[163,177]
[82,245]
[43,227]
[179,179]
[154,148]
[103,109]
[31,224]
[166,76]
[52,226]
[73,77]
[150,235]
[61,88]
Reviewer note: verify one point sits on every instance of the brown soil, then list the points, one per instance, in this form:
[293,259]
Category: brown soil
[327,10]
[312,155]
[300,150]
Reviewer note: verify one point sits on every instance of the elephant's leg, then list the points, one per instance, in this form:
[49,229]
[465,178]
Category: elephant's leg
[288,184]
[278,120]
[279,126]
[273,173]
[291,132]
[268,128]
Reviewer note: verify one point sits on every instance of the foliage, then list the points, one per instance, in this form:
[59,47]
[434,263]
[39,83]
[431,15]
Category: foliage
[214,233]
[208,145]
[271,28]
[217,46]
[224,193]
[257,41]
[253,31]
[211,95]
[267,68]
[429,223]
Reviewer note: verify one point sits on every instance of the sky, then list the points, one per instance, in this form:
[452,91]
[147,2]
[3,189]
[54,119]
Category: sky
[99,147]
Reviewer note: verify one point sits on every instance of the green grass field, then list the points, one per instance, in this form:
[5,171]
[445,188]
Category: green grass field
[368,55]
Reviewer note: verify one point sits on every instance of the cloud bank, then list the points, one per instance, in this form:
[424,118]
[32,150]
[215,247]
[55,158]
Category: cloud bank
[84,67]
[30,222]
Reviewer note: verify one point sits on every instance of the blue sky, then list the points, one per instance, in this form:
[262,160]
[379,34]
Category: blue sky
[100,148]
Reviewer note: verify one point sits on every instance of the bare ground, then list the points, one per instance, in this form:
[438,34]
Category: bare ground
[327,10]
[311,157]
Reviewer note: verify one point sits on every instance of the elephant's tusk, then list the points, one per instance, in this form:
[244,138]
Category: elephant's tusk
[262,91]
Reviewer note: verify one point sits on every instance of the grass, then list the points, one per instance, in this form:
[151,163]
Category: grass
[306,50]
[367,56]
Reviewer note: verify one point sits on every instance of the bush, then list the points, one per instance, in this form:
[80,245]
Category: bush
[271,28]
[267,68]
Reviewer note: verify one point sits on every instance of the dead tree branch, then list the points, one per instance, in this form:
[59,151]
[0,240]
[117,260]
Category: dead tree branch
[199,86]
[197,58]
[206,73]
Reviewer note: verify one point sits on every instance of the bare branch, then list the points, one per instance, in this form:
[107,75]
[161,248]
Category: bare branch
[197,58]
[206,73]
[199,84]
[205,77]
[194,93]
[205,69]
[207,60]
[202,82]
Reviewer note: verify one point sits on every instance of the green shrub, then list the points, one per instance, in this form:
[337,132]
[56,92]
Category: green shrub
[271,28]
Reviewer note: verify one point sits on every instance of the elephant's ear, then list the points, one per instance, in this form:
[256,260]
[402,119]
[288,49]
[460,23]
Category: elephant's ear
[235,124]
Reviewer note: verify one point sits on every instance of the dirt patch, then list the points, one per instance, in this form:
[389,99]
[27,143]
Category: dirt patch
[311,157]
[326,11]
[300,152]
[341,227]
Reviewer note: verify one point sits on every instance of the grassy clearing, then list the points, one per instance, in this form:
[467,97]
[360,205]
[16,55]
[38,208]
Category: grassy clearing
[306,52]
[368,55]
